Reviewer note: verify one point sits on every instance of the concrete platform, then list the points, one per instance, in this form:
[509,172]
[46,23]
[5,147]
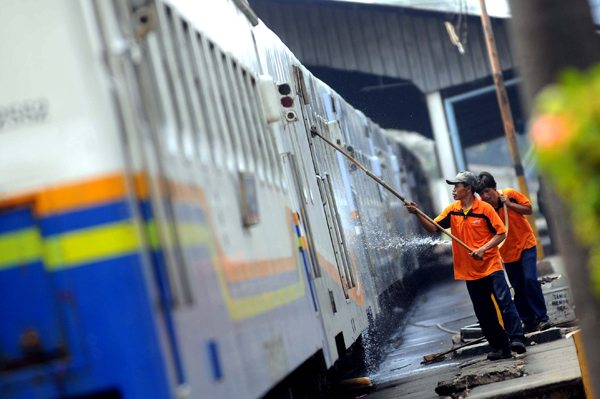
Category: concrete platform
[550,367]
[550,370]
[538,337]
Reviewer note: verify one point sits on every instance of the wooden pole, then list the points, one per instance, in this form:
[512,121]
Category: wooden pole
[507,119]
[387,187]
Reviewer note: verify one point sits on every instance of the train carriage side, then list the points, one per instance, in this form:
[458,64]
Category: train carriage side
[404,223]
[158,291]
[251,316]
[370,200]
[78,312]
[339,169]
[176,244]
[391,259]
[360,193]
[336,281]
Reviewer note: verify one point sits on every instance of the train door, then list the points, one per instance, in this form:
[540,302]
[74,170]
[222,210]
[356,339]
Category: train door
[336,232]
[31,332]
[313,121]
[141,99]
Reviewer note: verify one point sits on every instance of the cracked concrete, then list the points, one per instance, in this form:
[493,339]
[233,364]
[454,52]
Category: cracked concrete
[481,373]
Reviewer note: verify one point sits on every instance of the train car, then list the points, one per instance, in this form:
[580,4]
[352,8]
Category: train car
[169,225]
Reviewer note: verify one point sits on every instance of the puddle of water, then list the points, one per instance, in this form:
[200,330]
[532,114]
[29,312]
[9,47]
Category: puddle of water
[400,371]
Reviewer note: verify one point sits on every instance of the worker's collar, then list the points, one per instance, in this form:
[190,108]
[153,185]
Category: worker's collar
[473,206]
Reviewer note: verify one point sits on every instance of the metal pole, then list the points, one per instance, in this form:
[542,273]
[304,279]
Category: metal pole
[507,119]
[549,36]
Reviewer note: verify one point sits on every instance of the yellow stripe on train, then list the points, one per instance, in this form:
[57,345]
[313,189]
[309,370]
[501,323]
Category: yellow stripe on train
[91,245]
[20,248]
[25,246]
[110,241]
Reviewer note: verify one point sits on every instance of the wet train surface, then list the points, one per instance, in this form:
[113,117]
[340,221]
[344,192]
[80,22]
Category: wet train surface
[169,226]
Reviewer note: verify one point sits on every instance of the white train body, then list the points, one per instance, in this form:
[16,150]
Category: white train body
[189,247]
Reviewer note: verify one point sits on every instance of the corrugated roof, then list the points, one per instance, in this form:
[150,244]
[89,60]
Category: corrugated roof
[387,41]
[495,8]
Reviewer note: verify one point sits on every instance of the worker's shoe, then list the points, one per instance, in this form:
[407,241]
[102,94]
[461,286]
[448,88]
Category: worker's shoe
[544,325]
[518,347]
[531,328]
[499,354]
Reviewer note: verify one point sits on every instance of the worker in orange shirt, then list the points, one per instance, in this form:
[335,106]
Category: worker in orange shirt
[518,252]
[475,223]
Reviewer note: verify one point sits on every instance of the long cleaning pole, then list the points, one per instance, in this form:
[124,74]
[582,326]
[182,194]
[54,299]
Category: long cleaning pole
[391,190]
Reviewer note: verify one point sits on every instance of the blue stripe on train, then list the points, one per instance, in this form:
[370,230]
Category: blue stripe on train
[120,333]
[189,212]
[146,209]
[28,304]
[15,220]
[183,211]
[107,320]
[84,218]
[162,278]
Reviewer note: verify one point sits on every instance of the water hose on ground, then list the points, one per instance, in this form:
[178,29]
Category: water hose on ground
[438,325]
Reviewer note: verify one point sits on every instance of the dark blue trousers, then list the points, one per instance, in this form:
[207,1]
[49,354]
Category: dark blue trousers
[481,292]
[529,298]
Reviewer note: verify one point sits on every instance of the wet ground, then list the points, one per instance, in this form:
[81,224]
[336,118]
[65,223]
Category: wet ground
[447,304]
[546,367]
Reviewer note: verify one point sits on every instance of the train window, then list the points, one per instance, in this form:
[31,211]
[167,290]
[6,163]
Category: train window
[213,111]
[230,130]
[231,112]
[240,78]
[164,98]
[262,139]
[254,121]
[197,92]
[278,160]
[196,114]
[271,149]
[217,93]
[238,110]
[274,154]
[271,145]
[173,65]
[257,139]
[196,119]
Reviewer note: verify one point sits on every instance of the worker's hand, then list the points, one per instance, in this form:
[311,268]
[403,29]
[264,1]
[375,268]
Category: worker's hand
[412,208]
[478,254]
[504,198]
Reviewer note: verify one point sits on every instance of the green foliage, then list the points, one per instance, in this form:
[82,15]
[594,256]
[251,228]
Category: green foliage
[566,133]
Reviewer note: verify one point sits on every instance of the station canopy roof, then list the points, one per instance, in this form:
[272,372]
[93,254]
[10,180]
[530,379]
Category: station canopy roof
[495,8]
[382,40]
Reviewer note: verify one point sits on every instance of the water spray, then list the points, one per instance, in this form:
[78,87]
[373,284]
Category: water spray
[314,132]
